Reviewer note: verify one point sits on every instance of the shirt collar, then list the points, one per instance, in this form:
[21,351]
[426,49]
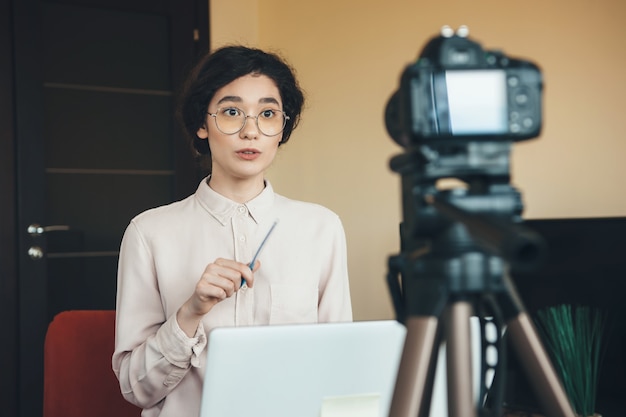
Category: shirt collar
[223,209]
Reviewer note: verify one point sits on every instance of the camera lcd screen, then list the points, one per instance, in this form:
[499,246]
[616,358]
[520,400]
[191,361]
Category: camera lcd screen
[477,101]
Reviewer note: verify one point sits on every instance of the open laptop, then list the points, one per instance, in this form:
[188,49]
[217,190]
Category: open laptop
[302,370]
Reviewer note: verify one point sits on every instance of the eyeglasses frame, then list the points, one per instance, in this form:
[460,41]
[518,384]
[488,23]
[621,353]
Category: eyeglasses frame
[246,116]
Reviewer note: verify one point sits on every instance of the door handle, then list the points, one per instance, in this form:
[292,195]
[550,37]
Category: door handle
[35,230]
[35,252]
[38,230]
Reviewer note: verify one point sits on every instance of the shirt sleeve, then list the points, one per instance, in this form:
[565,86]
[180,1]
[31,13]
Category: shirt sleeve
[335,303]
[152,353]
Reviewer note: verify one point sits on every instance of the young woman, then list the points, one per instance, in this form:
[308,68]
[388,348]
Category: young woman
[186,268]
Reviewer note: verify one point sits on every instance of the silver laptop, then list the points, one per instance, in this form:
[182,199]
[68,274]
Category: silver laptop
[303,370]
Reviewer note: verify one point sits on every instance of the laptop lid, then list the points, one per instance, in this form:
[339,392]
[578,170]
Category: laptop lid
[296,370]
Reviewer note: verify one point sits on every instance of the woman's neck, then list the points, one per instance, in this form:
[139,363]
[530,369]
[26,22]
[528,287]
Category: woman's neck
[240,191]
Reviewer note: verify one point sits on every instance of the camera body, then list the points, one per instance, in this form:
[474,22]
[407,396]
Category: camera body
[456,91]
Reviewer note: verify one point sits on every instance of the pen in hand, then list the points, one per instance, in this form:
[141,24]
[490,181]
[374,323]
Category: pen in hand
[256,255]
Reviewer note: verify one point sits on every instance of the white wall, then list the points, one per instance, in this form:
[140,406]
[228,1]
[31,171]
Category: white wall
[349,54]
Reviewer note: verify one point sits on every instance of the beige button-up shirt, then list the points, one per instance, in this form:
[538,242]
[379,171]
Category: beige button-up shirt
[303,278]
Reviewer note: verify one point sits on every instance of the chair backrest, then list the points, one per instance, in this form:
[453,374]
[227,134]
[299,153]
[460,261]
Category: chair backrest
[78,378]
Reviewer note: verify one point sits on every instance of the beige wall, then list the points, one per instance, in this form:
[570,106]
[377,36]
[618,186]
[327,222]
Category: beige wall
[349,54]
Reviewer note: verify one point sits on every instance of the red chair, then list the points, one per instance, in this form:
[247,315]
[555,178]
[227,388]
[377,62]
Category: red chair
[78,378]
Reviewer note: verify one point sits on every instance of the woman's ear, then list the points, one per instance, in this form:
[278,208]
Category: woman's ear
[203,132]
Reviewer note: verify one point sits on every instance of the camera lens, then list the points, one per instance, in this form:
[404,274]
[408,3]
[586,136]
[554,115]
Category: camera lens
[392,122]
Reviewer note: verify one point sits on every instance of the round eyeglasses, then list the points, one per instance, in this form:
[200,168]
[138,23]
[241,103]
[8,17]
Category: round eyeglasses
[230,120]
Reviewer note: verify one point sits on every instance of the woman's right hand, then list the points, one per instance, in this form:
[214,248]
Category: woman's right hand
[220,280]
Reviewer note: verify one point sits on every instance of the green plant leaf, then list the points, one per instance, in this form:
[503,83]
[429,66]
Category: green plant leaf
[573,339]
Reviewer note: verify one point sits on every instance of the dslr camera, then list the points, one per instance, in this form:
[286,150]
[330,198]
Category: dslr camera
[456,91]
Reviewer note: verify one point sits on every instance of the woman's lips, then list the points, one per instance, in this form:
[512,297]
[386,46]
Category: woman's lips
[248,154]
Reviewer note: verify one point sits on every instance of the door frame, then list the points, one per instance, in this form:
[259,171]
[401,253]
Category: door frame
[8,262]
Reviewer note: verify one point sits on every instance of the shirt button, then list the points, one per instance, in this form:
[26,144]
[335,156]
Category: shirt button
[241,209]
[242,238]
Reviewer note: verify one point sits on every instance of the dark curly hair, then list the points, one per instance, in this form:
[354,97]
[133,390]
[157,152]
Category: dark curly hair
[219,68]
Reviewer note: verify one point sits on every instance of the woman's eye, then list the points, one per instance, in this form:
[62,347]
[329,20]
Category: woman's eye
[267,114]
[231,112]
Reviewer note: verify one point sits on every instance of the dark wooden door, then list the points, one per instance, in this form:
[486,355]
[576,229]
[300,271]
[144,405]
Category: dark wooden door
[96,143]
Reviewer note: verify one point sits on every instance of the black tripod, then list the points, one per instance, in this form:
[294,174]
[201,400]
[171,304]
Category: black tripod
[457,247]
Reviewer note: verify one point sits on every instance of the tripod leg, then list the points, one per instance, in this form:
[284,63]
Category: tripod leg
[459,360]
[539,368]
[535,360]
[416,371]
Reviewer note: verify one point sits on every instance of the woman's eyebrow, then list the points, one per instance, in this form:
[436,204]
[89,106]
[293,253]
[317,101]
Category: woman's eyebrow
[269,100]
[237,99]
[230,98]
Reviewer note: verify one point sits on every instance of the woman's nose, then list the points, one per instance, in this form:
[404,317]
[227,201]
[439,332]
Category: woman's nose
[250,129]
